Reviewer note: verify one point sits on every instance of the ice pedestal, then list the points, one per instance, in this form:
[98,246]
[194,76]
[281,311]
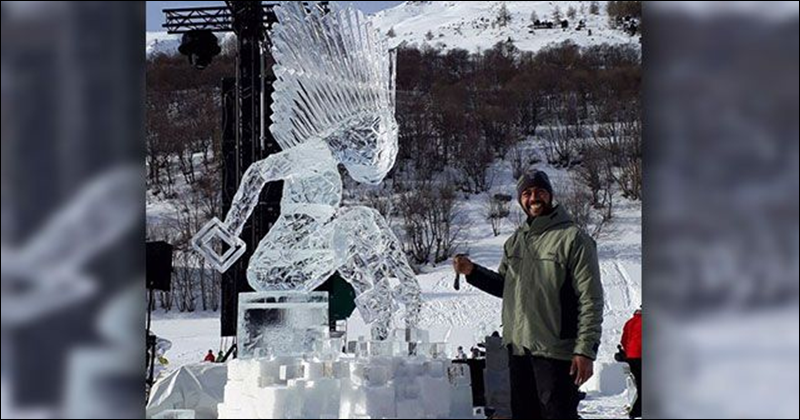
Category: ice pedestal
[378,379]
[365,401]
[282,323]
[289,367]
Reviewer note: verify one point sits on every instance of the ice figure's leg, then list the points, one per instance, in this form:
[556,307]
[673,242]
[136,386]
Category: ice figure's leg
[296,254]
[371,255]
[396,265]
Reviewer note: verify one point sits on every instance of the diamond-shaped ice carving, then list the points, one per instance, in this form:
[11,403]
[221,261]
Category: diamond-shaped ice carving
[202,242]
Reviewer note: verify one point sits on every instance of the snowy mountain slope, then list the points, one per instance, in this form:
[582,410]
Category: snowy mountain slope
[161,42]
[472,25]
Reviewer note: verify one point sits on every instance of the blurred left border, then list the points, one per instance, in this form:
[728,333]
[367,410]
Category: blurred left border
[72,172]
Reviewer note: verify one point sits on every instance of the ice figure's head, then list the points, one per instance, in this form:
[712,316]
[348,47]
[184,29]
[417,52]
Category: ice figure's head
[367,148]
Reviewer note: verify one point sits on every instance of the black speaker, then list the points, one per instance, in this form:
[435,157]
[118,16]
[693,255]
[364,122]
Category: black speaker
[159,266]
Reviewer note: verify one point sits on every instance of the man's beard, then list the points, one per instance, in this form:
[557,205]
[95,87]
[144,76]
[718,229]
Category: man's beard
[543,207]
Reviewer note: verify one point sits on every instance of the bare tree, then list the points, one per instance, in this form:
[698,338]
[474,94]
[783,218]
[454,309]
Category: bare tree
[578,201]
[521,158]
[429,221]
[594,173]
[194,281]
[447,231]
[561,143]
[473,159]
[619,136]
[497,209]
[157,141]
[630,178]
[557,16]
[571,12]
[503,16]
[567,132]
[594,8]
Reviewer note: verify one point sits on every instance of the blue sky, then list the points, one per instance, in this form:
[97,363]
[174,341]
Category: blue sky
[155,17]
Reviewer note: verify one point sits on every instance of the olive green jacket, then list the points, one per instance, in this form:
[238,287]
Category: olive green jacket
[549,280]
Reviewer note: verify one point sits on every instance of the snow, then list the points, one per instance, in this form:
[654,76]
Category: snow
[468,25]
[161,42]
[462,318]
[192,335]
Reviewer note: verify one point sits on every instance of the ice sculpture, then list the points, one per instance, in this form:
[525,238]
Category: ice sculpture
[374,379]
[333,104]
[285,323]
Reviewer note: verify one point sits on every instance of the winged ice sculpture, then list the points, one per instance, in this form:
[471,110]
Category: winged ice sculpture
[333,104]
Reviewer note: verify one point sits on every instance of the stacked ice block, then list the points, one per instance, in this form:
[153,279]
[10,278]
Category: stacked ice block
[282,323]
[351,386]
[292,369]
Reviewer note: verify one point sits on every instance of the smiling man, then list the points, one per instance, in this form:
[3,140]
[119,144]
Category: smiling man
[549,280]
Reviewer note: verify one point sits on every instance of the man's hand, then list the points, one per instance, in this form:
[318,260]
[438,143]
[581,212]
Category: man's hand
[462,265]
[582,369]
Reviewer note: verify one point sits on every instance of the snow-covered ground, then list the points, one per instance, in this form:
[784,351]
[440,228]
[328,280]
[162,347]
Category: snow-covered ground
[470,25]
[461,318]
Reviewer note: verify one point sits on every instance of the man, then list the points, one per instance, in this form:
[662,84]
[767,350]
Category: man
[475,353]
[632,348]
[460,355]
[210,357]
[549,280]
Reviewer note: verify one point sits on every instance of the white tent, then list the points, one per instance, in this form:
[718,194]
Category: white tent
[199,387]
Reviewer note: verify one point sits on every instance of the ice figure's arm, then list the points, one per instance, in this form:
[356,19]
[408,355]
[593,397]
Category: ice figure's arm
[275,167]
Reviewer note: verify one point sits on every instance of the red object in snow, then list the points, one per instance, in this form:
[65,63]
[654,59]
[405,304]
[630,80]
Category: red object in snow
[632,337]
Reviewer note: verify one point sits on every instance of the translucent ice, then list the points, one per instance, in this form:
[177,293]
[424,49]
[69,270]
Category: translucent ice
[333,104]
[282,323]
